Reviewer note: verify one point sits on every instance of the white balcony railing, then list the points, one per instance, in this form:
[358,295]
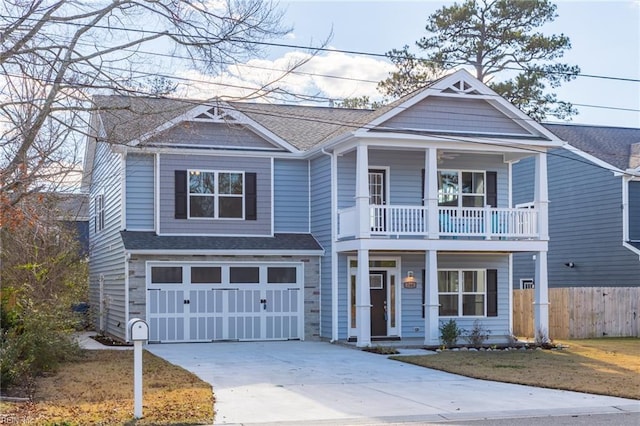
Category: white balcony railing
[486,222]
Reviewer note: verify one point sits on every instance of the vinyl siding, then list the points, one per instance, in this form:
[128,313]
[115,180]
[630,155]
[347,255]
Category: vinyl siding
[202,134]
[455,114]
[634,211]
[140,192]
[321,216]
[411,299]
[404,174]
[106,250]
[169,225]
[585,225]
[291,195]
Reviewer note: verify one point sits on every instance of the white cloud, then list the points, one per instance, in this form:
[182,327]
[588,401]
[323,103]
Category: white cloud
[331,74]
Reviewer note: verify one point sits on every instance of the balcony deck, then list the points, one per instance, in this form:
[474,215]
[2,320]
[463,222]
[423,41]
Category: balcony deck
[472,222]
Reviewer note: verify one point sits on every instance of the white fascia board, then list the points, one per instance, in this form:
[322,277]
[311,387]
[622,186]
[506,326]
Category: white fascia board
[457,144]
[632,248]
[487,140]
[634,174]
[217,235]
[475,246]
[227,252]
[595,160]
[216,152]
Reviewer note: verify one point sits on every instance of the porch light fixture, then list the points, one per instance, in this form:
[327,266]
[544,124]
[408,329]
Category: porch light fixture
[409,281]
[570,265]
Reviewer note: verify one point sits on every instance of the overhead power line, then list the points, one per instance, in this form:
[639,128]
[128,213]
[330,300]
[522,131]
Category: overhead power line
[301,47]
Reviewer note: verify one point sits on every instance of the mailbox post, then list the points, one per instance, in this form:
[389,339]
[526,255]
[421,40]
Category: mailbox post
[138,334]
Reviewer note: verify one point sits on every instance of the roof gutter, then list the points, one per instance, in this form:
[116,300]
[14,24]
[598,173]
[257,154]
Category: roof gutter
[227,252]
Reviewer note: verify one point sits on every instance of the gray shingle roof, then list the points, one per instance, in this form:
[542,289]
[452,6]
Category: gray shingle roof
[610,144]
[127,117]
[304,126]
[148,241]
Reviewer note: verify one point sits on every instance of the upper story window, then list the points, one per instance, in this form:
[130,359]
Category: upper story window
[461,188]
[98,213]
[216,194]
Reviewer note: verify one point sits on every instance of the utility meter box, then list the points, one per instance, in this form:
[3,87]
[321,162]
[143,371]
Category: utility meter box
[138,330]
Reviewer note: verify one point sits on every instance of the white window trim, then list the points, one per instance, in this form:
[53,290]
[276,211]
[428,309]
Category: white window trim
[98,212]
[216,196]
[225,279]
[460,293]
[393,331]
[461,194]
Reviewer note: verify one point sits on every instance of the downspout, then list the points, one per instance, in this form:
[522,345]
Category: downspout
[334,255]
[127,258]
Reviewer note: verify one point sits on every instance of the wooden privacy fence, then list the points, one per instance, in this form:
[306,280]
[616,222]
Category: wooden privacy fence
[582,312]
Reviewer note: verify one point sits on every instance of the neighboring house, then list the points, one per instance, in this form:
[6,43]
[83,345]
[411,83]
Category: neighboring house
[594,208]
[238,221]
[73,211]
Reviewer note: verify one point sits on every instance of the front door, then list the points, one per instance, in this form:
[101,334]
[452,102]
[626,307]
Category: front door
[379,314]
[377,197]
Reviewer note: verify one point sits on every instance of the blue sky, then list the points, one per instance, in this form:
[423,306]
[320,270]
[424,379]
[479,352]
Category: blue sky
[605,38]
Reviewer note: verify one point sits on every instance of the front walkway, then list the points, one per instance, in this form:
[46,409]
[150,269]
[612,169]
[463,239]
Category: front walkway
[280,382]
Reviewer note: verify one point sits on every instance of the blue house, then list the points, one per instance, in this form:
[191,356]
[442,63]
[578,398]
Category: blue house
[242,221]
[594,208]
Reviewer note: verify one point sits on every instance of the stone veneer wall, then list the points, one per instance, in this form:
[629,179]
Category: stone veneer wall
[137,283]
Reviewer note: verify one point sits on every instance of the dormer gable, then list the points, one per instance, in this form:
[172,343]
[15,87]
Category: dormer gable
[213,125]
[460,105]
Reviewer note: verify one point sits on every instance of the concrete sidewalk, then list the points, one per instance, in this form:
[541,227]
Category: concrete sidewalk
[321,383]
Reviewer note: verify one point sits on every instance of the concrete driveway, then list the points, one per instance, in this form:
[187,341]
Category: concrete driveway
[317,382]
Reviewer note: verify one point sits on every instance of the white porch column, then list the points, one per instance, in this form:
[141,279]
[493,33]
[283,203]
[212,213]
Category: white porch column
[362,193]
[541,196]
[431,303]
[363,300]
[431,192]
[541,297]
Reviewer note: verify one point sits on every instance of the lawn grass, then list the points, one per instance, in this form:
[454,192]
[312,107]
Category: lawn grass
[98,390]
[608,366]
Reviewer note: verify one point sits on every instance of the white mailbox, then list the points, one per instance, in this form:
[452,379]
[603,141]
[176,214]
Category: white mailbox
[138,330]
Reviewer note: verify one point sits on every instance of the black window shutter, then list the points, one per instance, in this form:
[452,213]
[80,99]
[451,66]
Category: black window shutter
[492,292]
[492,189]
[181,194]
[250,197]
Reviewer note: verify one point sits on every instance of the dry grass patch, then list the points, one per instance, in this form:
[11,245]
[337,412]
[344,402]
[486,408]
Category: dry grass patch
[599,366]
[98,389]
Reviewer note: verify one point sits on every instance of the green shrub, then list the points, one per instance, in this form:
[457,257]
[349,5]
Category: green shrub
[449,333]
[36,343]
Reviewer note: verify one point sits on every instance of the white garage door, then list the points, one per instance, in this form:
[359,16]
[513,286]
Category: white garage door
[208,302]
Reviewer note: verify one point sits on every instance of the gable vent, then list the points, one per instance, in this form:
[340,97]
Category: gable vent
[215,114]
[461,87]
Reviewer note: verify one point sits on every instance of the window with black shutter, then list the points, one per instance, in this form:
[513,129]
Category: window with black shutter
[212,194]
[181,194]
[492,292]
